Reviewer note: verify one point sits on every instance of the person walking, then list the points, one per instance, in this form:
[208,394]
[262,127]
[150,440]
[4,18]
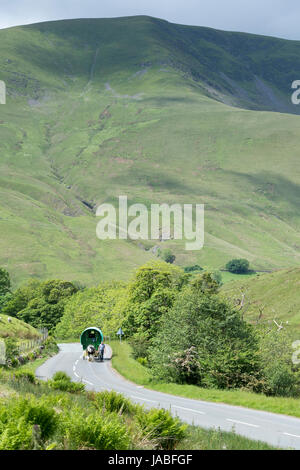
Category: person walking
[102,350]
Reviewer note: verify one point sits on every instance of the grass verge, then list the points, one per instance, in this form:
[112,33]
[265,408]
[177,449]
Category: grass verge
[125,364]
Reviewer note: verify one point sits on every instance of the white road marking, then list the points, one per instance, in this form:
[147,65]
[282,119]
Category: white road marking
[292,435]
[189,409]
[76,362]
[144,399]
[241,422]
[86,381]
[74,368]
[76,375]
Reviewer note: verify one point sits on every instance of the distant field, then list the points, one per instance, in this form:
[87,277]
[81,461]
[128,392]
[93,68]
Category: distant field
[276,295]
[228,277]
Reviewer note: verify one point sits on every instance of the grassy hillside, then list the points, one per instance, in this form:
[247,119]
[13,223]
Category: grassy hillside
[276,295]
[16,329]
[139,106]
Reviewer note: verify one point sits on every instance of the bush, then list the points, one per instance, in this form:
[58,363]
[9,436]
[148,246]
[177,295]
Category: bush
[168,256]
[204,341]
[191,269]
[25,375]
[11,350]
[61,381]
[143,361]
[95,431]
[238,266]
[281,381]
[60,375]
[17,414]
[162,427]
[279,373]
[16,435]
[113,402]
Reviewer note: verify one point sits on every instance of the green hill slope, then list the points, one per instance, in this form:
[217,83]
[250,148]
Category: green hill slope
[270,296]
[16,329]
[156,111]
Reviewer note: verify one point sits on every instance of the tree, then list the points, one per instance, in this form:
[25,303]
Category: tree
[238,266]
[41,304]
[100,306]
[4,282]
[151,294]
[280,375]
[5,285]
[204,341]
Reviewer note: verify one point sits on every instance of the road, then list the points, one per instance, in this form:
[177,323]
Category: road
[275,429]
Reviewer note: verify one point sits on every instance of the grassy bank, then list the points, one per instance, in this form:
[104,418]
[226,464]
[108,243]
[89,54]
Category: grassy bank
[68,406]
[124,363]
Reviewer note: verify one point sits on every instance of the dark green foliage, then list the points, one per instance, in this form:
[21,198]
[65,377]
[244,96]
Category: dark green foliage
[61,381]
[50,346]
[4,282]
[168,256]
[21,297]
[280,377]
[161,426]
[238,266]
[205,284]
[25,412]
[151,295]
[11,350]
[96,431]
[191,269]
[112,401]
[25,375]
[204,341]
[5,294]
[40,304]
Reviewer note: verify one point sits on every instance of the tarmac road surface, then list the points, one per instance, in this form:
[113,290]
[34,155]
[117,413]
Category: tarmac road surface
[278,430]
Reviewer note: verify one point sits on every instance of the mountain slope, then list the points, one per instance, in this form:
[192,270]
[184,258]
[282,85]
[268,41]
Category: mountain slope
[271,296]
[139,106]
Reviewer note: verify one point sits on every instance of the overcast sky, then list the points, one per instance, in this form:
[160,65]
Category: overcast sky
[270,17]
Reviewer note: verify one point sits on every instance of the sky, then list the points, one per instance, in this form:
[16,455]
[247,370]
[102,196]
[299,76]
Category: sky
[269,17]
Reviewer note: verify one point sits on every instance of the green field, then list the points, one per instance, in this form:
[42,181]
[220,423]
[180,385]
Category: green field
[155,111]
[268,297]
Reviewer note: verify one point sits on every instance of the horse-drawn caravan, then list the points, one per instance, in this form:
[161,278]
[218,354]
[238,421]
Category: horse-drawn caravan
[91,339]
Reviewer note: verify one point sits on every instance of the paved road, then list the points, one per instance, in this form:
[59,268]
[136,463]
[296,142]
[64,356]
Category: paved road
[278,430]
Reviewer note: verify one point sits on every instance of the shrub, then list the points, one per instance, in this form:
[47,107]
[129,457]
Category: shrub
[25,375]
[238,266]
[162,427]
[191,269]
[113,402]
[143,361]
[11,350]
[61,381]
[32,412]
[17,435]
[60,375]
[168,256]
[66,386]
[204,341]
[281,381]
[95,431]
[280,375]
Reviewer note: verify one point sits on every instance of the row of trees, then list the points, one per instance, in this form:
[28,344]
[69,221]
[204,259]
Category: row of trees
[176,321]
